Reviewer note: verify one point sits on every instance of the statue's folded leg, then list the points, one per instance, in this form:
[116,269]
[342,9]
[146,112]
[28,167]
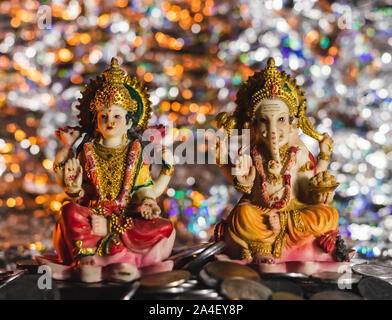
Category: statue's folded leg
[247,228]
[73,232]
[305,226]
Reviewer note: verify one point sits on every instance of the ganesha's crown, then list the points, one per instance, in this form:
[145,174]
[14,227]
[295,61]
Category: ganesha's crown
[277,84]
[270,83]
[113,90]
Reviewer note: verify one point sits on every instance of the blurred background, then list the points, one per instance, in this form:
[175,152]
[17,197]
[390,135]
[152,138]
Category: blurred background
[193,55]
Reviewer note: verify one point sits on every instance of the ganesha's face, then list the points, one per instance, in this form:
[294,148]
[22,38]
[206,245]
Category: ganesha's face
[112,122]
[273,122]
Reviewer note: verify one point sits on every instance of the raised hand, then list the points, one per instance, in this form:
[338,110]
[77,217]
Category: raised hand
[323,197]
[150,209]
[67,135]
[221,152]
[73,174]
[325,144]
[99,225]
[274,221]
[245,171]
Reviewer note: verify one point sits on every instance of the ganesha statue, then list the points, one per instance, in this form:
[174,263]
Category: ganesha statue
[112,230]
[284,221]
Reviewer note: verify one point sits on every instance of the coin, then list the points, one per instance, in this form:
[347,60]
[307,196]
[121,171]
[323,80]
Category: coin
[132,290]
[282,295]
[335,295]
[222,270]
[201,259]
[375,289]
[165,279]
[191,295]
[5,273]
[30,265]
[336,277]
[165,290]
[286,275]
[384,263]
[211,293]
[189,284]
[355,261]
[283,285]
[373,270]
[190,251]
[207,279]
[14,276]
[244,289]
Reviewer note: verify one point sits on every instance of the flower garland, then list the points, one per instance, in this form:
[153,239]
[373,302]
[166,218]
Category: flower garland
[275,203]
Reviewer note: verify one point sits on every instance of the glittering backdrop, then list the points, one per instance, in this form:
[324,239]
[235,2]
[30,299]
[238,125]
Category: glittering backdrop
[193,55]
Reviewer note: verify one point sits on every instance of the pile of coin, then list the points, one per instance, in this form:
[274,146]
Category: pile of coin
[198,275]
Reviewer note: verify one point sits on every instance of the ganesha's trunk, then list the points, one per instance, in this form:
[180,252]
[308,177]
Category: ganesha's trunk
[273,137]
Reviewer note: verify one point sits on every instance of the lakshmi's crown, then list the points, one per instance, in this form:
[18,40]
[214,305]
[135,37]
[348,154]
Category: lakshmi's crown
[113,90]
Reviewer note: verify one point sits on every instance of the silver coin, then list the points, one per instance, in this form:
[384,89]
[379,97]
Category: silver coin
[196,246]
[198,262]
[373,270]
[355,261]
[165,290]
[132,290]
[385,263]
[244,289]
[189,284]
[14,276]
[211,293]
[207,279]
[286,275]
[336,277]
[188,252]
[190,296]
[335,295]
[375,289]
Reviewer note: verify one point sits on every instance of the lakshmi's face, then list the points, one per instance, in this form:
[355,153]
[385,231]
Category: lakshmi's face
[112,122]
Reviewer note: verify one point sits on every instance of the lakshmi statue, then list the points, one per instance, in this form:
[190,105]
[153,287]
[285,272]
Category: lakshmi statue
[284,220]
[112,230]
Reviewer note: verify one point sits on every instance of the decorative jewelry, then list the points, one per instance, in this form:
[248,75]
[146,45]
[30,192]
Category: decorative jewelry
[307,166]
[167,170]
[114,87]
[324,156]
[81,252]
[125,137]
[111,166]
[117,226]
[75,194]
[275,202]
[240,187]
[59,165]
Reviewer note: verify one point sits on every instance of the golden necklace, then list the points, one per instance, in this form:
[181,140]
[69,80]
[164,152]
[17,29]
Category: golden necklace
[111,164]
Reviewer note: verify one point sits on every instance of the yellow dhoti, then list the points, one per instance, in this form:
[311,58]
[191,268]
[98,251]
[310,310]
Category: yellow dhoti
[248,225]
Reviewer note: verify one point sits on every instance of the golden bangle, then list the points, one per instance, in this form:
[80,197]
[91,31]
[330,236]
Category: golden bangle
[167,171]
[240,187]
[59,165]
[324,156]
[74,194]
